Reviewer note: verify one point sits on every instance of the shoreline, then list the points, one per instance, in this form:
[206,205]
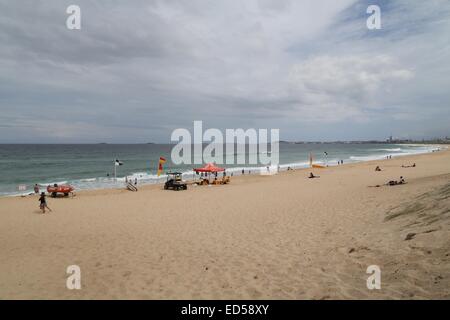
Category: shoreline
[144,184]
[158,186]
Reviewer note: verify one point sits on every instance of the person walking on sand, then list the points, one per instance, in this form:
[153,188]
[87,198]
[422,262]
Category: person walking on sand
[43,203]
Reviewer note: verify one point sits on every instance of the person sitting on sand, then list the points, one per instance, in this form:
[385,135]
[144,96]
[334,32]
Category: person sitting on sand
[43,203]
[378,168]
[312,176]
[395,182]
[411,166]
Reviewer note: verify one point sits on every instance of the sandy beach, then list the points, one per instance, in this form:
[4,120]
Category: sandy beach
[260,237]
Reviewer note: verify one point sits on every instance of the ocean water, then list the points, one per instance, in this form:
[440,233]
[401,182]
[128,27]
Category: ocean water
[91,166]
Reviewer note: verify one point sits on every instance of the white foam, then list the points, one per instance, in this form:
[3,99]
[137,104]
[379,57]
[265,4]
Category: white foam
[391,149]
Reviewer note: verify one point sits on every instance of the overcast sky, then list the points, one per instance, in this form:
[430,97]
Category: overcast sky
[137,70]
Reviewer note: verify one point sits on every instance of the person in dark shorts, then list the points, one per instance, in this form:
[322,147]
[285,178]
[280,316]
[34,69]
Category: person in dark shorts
[43,203]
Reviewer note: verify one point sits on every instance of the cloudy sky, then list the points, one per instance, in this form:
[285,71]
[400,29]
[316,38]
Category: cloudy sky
[137,70]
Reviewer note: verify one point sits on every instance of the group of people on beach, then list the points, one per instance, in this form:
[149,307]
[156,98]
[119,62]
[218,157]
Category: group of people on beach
[394,182]
[43,201]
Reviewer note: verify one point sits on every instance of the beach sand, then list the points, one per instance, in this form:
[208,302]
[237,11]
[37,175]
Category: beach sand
[261,237]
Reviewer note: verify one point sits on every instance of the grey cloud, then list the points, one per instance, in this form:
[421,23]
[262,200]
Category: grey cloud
[137,70]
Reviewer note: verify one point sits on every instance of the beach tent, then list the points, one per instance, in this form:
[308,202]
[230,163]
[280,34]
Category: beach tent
[210,168]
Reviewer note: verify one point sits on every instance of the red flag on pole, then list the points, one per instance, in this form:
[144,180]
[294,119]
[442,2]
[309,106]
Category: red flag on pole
[160,166]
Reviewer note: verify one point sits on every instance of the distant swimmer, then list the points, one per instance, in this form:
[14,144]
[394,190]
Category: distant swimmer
[43,203]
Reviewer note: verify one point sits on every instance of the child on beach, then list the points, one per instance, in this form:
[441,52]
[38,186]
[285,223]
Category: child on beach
[43,202]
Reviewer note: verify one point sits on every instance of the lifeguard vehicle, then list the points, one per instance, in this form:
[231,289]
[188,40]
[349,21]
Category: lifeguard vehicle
[62,189]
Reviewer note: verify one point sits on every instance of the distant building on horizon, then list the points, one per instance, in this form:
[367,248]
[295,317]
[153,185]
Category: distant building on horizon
[390,140]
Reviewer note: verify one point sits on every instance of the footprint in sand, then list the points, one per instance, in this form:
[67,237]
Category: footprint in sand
[126,274]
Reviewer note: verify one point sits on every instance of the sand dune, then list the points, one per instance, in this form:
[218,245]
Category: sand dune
[261,237]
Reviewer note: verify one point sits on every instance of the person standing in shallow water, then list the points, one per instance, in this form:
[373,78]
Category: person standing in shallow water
[43,203]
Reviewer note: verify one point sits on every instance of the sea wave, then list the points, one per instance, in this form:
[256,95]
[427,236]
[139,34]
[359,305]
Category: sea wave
[145,178]
[391,149]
